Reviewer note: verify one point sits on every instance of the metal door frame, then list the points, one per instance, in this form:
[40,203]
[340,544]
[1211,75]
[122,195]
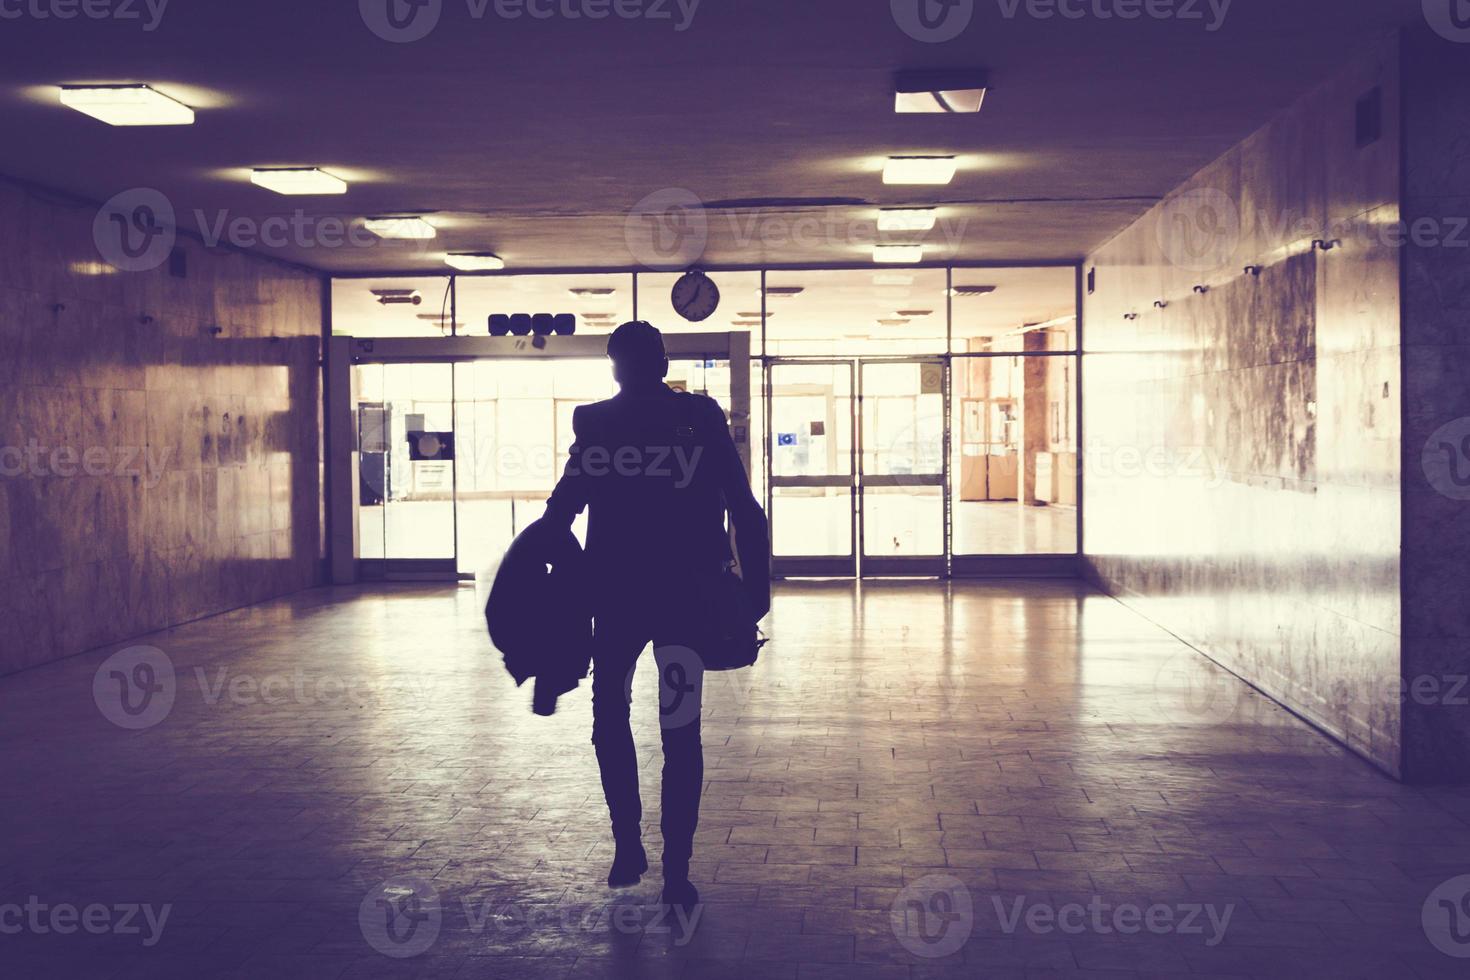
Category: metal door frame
[893,565]
[837,566]
[343,352]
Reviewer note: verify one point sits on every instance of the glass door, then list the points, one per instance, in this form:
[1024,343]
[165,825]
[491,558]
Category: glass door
[406,469]
[811,485]
[903,475]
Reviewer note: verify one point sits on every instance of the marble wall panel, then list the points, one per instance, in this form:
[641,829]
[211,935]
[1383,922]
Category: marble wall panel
[1264,524]
[189,394]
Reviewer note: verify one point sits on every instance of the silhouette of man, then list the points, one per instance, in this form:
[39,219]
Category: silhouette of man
[657,471]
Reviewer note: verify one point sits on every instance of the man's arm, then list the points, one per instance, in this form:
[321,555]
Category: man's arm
[572,493]
[752,532]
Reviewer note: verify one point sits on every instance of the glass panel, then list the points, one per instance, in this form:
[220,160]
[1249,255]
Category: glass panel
[702,377]
[739,309]
[403,307]
[811,522]
[418,460]
[1014,310]
[372,458]
[879,311]
[903,521]
[599,302]
[811,420]
[903,419]
[516,424]
[1015,455]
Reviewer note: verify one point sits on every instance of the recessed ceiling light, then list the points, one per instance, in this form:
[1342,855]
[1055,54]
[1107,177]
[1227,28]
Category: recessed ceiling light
[745,323]
[940,91]
[754,316]
[898,254]
[474,261]
[907,219]
[783,291]
[416,228]
[919,170]
[126,105]
[298,180]
[972,290]
[889,322]
[600,292]
[892,279]
[913,314]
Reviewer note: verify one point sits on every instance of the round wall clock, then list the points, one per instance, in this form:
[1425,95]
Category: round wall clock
[695,296]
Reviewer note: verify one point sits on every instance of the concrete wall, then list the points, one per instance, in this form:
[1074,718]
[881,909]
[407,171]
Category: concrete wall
[159,436]
[1242,437]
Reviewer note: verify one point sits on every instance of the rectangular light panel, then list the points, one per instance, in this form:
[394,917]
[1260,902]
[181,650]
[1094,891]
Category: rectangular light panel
[898,254]
[474,263]
[414,228]
[920,170]
[304,180]
[126,105]
[907,219]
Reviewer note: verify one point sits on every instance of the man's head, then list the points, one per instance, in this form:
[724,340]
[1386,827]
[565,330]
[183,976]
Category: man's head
[637,352]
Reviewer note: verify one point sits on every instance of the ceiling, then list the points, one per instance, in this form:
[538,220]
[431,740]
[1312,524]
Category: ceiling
[538,139]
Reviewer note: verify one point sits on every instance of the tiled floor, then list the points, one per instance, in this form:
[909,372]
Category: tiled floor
[1025,777]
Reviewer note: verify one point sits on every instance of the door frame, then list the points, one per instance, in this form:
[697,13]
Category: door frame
[937,565]
[343,461]
[816,566]
[857,563]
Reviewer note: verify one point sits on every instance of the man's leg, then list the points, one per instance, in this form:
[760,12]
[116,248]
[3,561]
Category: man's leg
[615,654]
[681,694]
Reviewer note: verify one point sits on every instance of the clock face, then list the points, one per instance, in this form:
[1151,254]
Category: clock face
[695,296]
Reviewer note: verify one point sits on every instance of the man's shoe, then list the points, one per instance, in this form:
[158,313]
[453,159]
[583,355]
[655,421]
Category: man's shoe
[680,892]
[628,865]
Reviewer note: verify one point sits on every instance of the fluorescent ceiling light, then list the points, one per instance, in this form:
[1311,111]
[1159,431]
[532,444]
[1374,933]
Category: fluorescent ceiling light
[474,262]
[972,290]
[954,100]
[940,91]
[298,180]
[913,314]
[919,170]
[126,105]
[590,292]
[898,254]
[416,228]
[907,219]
